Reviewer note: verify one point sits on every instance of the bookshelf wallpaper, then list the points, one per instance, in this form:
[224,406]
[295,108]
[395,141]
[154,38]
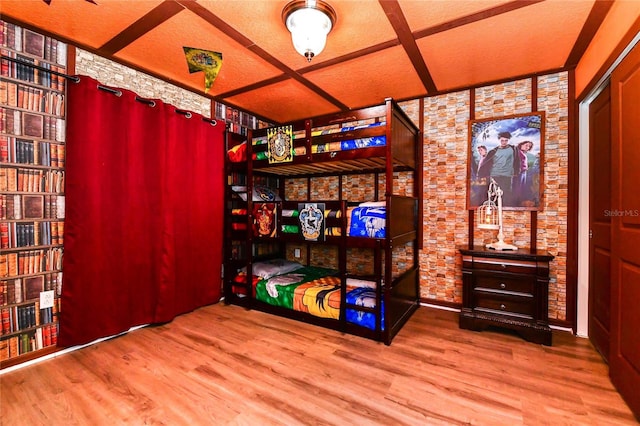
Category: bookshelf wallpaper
[32,200]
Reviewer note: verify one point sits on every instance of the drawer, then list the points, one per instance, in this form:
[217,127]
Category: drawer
[524,284]
[505,265]
[508,305]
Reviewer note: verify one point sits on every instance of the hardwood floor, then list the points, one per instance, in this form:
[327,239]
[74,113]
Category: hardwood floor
[224,365]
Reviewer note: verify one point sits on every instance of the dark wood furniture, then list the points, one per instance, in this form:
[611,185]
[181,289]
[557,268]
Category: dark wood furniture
[396,281]
[507,289]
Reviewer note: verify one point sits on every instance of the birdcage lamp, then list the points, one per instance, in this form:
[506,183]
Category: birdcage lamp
[490,216]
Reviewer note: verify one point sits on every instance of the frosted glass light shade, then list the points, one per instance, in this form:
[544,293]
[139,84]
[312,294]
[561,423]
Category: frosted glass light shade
[309,23]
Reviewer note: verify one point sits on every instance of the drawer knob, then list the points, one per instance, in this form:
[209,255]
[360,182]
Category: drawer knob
[503,266]
[503,307]
[503,286]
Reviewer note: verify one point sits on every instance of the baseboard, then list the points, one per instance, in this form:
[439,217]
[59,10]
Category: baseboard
[64,351]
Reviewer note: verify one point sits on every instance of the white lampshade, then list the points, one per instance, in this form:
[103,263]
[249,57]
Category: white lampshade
[309,23]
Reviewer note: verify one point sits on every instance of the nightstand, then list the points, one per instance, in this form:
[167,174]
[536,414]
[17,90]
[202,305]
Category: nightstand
[507,289]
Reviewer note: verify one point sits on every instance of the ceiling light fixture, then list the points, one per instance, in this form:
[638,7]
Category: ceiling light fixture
[309,22]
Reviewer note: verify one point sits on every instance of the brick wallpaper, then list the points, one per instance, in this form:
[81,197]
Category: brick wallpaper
[445,172]
[113,74]
[324,188]
[444,191]
[295,189]
[553,97]
[359,188]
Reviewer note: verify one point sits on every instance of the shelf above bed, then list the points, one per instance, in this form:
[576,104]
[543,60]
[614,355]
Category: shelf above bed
[344,143]
[323,164]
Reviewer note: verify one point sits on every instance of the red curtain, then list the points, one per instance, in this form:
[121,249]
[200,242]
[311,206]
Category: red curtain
[144,206]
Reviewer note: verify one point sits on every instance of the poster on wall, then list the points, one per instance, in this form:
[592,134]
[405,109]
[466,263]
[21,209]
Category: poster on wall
[510,151]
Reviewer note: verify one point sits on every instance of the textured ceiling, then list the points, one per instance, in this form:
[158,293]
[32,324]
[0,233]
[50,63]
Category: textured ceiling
[402,49]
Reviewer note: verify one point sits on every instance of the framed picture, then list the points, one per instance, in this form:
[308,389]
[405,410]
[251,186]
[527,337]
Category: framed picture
[508,150]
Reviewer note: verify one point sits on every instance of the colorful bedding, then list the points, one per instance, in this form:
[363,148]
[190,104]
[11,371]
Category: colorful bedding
[363,296]
[367,222]
[316,291]
[310,289]
[346,145]
[238,153]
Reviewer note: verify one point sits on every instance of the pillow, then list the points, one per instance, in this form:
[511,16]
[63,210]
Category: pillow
[354,282]
[238,153]
[373,204]
[271,268]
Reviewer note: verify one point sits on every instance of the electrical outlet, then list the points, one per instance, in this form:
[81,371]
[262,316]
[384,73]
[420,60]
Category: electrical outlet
[296,253]
[46,299]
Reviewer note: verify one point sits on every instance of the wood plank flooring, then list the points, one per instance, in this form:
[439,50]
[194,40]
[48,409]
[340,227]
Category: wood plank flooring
[223,365]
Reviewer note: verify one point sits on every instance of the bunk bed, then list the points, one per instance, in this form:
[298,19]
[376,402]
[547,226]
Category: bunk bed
[272,231]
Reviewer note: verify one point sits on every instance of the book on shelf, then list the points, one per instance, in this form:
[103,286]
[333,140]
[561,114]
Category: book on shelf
[24,68]
[33,43]
[32,125]
[32,179]
[26,262]
[58,207]
[33,286]
[5,315]
[24,40]
[237,121]
[27,151]
[33,206]
[4,350]
[12,206]
[11,291]
[4,235]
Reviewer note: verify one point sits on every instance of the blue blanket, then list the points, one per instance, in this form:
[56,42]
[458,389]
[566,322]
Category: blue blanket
[363,296]
[368,222]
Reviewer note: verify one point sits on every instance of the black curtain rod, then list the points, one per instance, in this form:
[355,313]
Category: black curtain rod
[110,90]
[29,64]
[101,87]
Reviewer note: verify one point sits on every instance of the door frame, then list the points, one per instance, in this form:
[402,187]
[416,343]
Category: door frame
[582,308]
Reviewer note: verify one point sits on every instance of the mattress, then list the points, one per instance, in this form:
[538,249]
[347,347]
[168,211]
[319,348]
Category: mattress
[316,291]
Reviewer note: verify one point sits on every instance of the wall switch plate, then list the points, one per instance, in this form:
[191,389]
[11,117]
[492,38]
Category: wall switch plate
[296,253]
[46,299]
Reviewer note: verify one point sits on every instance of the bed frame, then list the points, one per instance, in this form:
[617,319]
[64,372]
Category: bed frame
[397,290]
